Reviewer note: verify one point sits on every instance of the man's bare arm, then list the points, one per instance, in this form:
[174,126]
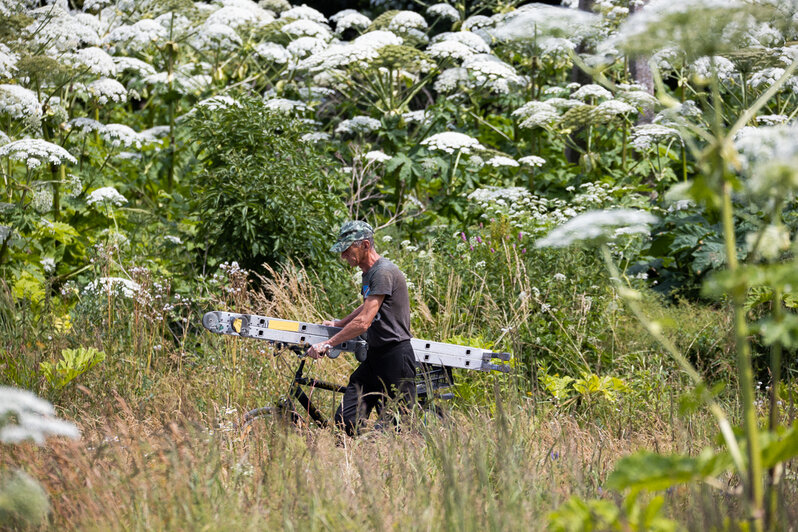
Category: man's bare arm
[344,321]
[354,328]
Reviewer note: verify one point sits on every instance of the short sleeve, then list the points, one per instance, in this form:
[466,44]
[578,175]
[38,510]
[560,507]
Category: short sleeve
[381,283]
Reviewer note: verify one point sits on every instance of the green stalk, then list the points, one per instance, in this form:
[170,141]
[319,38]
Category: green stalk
[753,477]
[775,371]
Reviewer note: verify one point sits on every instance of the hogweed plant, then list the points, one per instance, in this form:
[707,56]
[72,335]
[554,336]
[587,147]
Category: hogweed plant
[766,176]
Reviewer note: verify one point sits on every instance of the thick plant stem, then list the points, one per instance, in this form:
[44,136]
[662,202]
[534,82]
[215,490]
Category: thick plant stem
[774,473]
[753,481]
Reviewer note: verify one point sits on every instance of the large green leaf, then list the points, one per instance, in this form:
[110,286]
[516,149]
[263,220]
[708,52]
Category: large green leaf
[652,471]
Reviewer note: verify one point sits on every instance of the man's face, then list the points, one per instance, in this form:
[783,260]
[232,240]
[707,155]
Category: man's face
[353,254]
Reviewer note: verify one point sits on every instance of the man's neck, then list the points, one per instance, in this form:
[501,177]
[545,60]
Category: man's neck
[369,260]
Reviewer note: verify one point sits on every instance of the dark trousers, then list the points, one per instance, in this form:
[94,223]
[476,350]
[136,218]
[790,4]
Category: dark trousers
[388,373]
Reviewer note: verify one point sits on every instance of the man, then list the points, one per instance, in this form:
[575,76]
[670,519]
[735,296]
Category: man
[389,368]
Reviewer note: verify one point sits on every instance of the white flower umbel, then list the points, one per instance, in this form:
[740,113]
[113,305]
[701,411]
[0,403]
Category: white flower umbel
[95,60]
[501,161]
[107,196]
[378,39]
[307,28]
[358,124]
[108,90]
[449,50]
[444,11]
[773,241]
[451,80]
[120,135]
[406,22]
[24,416]
[305,46]
[138,36]
[598,226]
[645,136]
[377,156]
[537,114]
[8,61]
[303,12]
[703,69]
[416,116]
[532,160]
[638,98]
[35,152]
[451,142]
[56,31]
[273,52]
[235,16]
[216,37]
[769,156]
[591,91]
[117,286]
[83,125]
[316,136]
[350,19]
[285,106]
[491,72]
[476,43]
[533,21]
[771,120]
[20,103]
[175,240]
[612,108]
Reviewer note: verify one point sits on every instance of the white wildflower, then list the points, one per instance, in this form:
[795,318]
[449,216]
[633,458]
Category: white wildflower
[556,47]
[559,277]
[491,72]
[769,155]
[154,133]
[120,135]
[42,200]
[452,141]
[20,103]
[358,124]
[113,285]
[173,239]
[533,21]
[449,50]
[532,160]
[304,46]
[83,125]
[612,108]
[27,417]
[138,36]
[475,22]
[702,68]
[644,136]
[593,225]
[415,116]
[216,37]
[106,196]
[406,21]
[591,91]
[476,43]
[350,19]
[57,31]
[387,238]
[8,62]
[106,89]
[95,60]
[444,11]
[286,106]
[500,161]
[235,16]
[303,12]
[537,114]
[35,152]
[316,136]
[377,156]
[307,28]
[377,39]
[273,52]
[638,98]
[771,120]
[451,79]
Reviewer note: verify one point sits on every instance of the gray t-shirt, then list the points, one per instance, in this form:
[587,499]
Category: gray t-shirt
[392,323]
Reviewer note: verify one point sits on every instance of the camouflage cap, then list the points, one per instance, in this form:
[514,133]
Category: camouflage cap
[350,233]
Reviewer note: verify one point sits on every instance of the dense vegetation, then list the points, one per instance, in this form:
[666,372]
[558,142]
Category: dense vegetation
[608,196]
